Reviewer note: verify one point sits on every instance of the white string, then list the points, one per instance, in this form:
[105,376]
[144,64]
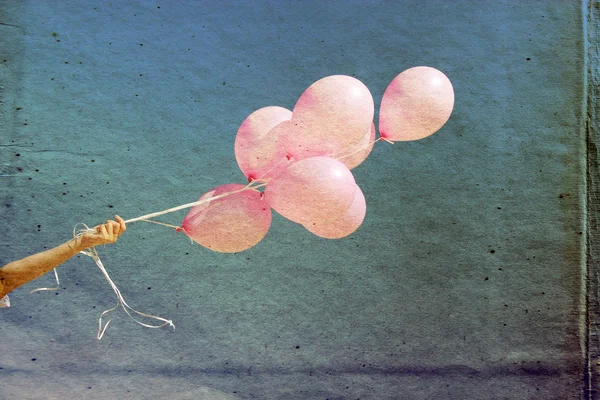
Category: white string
[249,186]
[160,223]
[92,252]
[54,288]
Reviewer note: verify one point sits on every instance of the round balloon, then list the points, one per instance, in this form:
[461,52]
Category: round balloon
[330,116]
[257,145]
[230,224]
[416,104]
[345,224]
[312,190]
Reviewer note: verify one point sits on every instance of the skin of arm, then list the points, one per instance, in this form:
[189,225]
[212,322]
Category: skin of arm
[18,273]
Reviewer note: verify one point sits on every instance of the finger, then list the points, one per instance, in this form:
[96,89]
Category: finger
[103,232]
[109,228]
[116,228]
[122,223]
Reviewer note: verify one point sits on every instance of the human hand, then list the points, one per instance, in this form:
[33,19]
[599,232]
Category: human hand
[106,233]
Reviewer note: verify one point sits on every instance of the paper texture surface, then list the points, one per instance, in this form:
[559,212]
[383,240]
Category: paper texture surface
[466,280]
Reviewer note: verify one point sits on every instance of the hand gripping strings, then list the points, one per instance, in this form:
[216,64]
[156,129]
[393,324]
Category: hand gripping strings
[92,252]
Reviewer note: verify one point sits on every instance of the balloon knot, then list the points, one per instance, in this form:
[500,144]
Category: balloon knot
[383,136]
[178,229]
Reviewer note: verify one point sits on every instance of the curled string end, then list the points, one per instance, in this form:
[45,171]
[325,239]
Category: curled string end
[54,288]
[93,253]
[101,334]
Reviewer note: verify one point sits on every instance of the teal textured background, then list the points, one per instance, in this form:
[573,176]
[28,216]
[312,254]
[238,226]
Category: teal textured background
[464,280]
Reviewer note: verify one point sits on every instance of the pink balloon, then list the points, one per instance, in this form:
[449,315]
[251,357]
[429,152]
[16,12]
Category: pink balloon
[312,190]
[330,116]
[230,224]
[358,153]
[416,104]
[257,145]
[345,224]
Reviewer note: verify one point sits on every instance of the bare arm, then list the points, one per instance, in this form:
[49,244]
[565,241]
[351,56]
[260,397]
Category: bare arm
[18,273]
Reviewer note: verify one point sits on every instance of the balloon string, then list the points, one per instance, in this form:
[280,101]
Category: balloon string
[258,186]
[160,223]
[55,288]
[121,301]
[361,149]
[251,185]
[260,178]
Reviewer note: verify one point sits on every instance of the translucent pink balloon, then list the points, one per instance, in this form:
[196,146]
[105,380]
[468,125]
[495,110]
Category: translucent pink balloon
[257,144]
[345,224]
[230,224]
[315,189]
[358,153]
[331,115]
[416,104]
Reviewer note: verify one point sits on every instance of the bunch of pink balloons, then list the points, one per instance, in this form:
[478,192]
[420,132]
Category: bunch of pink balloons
[303,157]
